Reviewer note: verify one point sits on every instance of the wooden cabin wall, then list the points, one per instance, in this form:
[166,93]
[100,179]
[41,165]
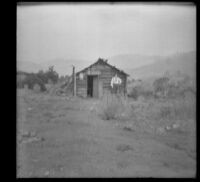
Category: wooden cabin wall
[105,77]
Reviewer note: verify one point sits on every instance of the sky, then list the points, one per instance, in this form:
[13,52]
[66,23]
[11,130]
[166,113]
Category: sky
[90,31]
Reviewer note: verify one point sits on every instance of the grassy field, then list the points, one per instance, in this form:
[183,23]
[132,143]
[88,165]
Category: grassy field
[113,137]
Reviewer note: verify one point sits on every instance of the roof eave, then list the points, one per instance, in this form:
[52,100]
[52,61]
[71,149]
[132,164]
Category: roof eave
[106,64]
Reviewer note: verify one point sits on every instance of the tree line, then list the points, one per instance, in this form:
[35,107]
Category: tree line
[40,78]
[164,87]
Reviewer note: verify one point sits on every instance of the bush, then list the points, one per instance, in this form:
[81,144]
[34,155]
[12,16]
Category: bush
[110,107]
[176,109]
[136,92]
[184,108]
[181,88]
[49,75]
[21,76]
[165,112]
[110,111]
[160,85]
[147,93]
[140,90]
[32,79]
[52,75]
[149,114]
[36,88]
[114,107]
[41,78]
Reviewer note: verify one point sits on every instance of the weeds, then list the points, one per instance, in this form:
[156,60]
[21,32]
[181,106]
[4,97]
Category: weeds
[149,114]
[110,107]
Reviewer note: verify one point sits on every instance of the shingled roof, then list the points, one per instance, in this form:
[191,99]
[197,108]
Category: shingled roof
[102,61]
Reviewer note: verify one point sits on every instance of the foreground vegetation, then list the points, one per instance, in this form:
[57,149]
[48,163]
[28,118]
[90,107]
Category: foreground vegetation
[37,81]
[165,106]
[72,137]
[172,121]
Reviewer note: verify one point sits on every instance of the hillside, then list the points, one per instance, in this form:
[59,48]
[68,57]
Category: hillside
[183,63]
[28,66]
[137,66]
[64,66]
[132,61]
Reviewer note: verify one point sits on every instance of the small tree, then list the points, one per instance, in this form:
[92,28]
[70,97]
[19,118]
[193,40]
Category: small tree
[51,74]
[136,91]
[161,85]
[33,79]
[42,75]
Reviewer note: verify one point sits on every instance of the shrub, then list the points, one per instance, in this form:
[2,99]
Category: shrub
[41,78]
[147,93]
[184,108]
[135,92]
[165,112]
[110,107]
[110,111]
[36,88]
[49,76]
[32,79]
[114,107]
[52,75]
[176,109]
[160,85]
[174,91]
[140,88]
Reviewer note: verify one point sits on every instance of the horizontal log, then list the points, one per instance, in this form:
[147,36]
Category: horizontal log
[78,82]
[81,86]
[81,89]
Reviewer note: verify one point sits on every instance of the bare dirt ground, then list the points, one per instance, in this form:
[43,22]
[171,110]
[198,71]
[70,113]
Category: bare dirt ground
[75,142]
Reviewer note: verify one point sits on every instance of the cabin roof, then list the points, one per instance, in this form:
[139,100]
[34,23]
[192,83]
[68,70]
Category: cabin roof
[102,61]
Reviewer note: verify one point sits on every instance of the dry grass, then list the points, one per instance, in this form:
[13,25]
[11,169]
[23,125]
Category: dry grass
[73,129]
[149,114]
[172,122]
[113,107]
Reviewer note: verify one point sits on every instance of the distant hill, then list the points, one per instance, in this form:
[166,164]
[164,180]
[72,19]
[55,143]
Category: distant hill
[28,66]
[64,66]
[127,61]
[61,66]
[137,66]
[177,64]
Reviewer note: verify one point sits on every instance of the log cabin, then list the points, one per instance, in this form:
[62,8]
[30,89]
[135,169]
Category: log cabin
[100,78]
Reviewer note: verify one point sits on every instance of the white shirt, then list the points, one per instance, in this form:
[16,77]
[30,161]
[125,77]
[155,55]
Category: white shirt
[115,80]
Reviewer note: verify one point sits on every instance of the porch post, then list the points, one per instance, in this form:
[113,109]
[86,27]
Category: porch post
[74,79]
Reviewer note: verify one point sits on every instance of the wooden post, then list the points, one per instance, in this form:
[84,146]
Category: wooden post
[74,81]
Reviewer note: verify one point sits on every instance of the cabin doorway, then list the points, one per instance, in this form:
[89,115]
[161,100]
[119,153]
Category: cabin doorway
[92,86]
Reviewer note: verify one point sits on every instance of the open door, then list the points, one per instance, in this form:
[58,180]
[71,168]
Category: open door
[92,86]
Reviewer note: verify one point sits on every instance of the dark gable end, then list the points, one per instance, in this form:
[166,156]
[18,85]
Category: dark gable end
[103,62]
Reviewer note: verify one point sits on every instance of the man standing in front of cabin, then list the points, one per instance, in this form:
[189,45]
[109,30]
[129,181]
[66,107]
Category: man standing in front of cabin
[115,84]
